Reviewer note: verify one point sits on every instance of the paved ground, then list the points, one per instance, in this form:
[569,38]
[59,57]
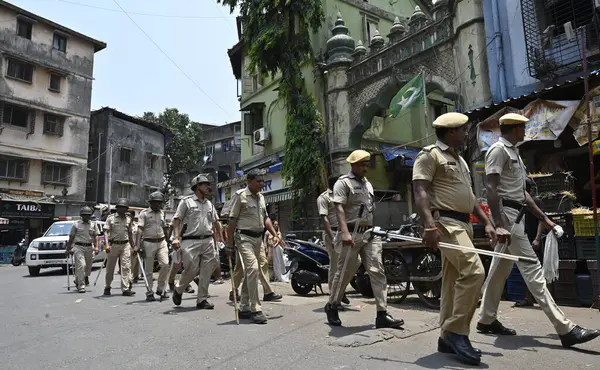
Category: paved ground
[44,326]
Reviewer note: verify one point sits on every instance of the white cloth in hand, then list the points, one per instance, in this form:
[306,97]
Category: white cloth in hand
[551,254]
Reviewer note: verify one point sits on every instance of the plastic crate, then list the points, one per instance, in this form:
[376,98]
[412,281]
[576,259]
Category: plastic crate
[557,182]
[515,286]
[585,247]
[583,224]
[557,204]
[6,255]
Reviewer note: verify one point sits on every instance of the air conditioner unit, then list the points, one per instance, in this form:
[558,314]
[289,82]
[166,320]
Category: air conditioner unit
[260,136]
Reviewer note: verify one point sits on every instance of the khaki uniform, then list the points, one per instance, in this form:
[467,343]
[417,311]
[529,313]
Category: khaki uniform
[263,272]
[503,159]
[352,192]
[463,272]
[152,224]
[251,212]
[120,249]
[135,264]
[197,243]
[83,251]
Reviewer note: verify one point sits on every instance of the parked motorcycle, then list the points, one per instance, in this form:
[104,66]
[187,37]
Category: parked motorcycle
[309,265]
[19,254]
[408,265]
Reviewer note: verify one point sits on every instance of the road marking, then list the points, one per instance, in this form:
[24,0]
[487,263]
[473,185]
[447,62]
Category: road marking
[79,300]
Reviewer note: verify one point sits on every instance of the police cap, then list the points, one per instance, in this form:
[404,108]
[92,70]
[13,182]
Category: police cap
[358,156]
[85,210]
[157,196]
[451,120]
[513,119]
[123,202]
[200,179]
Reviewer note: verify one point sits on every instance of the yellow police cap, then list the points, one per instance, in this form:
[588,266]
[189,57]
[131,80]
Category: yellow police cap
[358,156]
[512,119]
[451,120]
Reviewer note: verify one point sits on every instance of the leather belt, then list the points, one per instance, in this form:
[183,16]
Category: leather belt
[463,217]
[83,244]
[154,240]
[252,234]
[509,203]
[360,229]
[118,242]
[196,237]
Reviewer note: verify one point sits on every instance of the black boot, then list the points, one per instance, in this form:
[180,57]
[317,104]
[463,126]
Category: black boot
[205,305]
[176,297]
[577,336]
[172,287]
[189,290]
[333,318]
[495,328]
[106,291]
[345,299]
[87,281]
[128,293]
[272,297]
[385,320]
[150,297]
[259,317]
[445,348]
[461,347]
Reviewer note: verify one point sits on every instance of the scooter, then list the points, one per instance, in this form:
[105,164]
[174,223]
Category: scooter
[309,266]
[19,254]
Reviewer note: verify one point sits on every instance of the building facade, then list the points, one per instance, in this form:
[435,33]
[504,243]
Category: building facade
[127,158]
[46,74]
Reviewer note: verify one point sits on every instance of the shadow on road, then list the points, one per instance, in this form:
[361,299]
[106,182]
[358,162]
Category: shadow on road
[432,361]
[529,341]
[341,331]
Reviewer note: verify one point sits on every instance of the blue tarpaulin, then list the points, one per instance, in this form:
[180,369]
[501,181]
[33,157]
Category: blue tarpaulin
[391,152]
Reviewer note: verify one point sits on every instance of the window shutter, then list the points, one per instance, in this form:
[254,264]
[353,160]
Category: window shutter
[247,77]
[248,124]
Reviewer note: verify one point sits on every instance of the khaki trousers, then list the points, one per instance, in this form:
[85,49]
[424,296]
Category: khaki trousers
[532,274]
[462,277]
[249,251]
[333,262]
[172,273]
[159,251]
[120,252]
[198,259]
[82,261]
[135,268]
[370,254]
[263,273]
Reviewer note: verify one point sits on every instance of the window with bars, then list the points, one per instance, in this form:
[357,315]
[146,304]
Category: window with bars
[15,116]
[19,70]
[151,161]
[53,125]
[57,174]
[124,190]
[14,169]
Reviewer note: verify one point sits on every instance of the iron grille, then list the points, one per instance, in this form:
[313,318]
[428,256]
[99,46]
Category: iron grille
[552,49]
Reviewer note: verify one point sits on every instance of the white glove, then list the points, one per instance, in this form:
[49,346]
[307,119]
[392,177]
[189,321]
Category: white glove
[558,231]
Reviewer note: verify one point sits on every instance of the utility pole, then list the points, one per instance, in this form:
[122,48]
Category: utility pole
[110,160]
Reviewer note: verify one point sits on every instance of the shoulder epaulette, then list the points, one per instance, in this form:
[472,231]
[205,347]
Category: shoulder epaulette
[240,191]
[429,148]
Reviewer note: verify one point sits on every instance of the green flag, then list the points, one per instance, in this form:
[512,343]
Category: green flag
[410,95]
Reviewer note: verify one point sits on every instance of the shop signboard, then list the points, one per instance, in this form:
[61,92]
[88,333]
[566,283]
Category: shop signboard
[273,182]
[27,193]
[9,209]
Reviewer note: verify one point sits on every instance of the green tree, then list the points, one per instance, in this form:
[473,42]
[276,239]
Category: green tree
[276,38]
[184,146]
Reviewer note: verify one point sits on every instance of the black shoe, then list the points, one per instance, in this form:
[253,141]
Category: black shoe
[87,281]
[176,298]
[205,305]
[460,346]
[237,295]
[150,297]
[333,318]
[339,307]
[345,299]
[445,348]
[495,328]
[245,314]
[189,290]
[523,303]
[172,287]
[128,293]
[578,335]
[162,295]
[259,318]
[106,291]
[385,320]
[272,297]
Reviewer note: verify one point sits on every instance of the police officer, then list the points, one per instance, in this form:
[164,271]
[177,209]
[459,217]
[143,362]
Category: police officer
[135,265]
[326,209]
[197,240]
[263,274]
[506,195]
[248,220]
[352,192]
[85,237]
[445,201]
[119,239]
[152,230]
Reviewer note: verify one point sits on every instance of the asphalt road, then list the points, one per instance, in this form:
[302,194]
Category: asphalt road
[44,326]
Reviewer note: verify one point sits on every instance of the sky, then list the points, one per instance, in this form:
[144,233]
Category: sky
[133,76]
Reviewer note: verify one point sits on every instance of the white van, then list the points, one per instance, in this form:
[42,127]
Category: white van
[49,250]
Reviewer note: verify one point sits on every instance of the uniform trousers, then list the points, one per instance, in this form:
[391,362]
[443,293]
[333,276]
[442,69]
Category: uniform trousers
[159,251]
[82,260]
[263,273]
[120,252]
[370,254]
[333,261]
[198,259]
[532,274]
[462,277]
[249,252]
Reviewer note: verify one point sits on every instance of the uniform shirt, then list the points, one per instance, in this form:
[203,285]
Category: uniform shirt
[198,215]
[118,227]
[84,232]
[449,176]
[249,210]
[151,224]
[352,192]
[503,159]
[134,230]
[327,207]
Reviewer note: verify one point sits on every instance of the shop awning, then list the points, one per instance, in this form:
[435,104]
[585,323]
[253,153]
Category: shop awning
[151,186]
[280,197]
[126,183]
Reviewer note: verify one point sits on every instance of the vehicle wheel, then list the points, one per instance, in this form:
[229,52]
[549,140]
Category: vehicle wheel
[430,264]
[363,283]
[16,262]
[34,270]
[301,289]
[397,275]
